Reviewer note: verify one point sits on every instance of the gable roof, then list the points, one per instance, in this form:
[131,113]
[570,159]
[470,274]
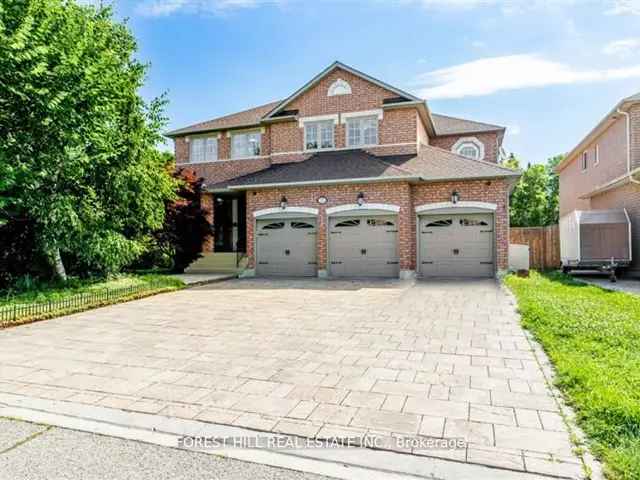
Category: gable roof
[446,125]
[357,166]
[330,69]
[245,118]
[608,119]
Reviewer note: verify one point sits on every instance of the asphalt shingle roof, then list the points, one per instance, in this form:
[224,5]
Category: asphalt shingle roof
[446,125]
[432,164]
[239,119]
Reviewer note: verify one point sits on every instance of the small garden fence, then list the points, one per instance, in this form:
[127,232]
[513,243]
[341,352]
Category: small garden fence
[10,314]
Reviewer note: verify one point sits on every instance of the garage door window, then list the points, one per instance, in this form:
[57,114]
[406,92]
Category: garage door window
[471,222]
[375,222]
[301,225]
[441,223]
[274,226]
[348,223]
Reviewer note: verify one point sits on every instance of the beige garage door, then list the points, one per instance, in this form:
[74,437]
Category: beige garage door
[456,245]
[286,247]
[364,246]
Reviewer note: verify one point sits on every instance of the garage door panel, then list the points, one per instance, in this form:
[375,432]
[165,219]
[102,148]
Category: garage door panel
[286,247]
[364,246]
[456,245]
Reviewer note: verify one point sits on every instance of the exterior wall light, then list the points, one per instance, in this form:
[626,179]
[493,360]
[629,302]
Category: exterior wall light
[454,197]
[360,199]
[283,202]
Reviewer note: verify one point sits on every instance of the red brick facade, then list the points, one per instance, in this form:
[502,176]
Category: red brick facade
[489,140]
[401,194]
[401,130]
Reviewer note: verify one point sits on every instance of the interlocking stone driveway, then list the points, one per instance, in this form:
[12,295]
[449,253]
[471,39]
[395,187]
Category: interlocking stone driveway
[312,358]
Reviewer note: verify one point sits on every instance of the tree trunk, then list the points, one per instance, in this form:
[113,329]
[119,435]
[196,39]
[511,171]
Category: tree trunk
[58,265]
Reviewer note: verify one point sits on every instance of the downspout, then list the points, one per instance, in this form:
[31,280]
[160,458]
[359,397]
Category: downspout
[628,123]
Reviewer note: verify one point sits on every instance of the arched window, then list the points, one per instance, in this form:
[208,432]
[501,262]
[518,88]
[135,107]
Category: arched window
[469,147]
[339,87]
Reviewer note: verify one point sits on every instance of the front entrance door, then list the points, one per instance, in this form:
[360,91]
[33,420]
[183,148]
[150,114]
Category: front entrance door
[229,218]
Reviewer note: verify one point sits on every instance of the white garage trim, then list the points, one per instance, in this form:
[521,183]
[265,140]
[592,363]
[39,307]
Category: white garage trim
[387,207]
[271,211]
[429,207]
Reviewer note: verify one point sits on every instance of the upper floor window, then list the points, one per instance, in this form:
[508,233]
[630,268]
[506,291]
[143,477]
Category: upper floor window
[203,149]
[362,131]
[469,147]
[585,160]
[318,135]
[596,160]
[339,87]
[245,144]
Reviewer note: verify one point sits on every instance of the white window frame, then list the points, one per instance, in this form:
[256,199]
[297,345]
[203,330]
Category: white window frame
[318,125]
[584,161]
[240,155]
[361,131]
[464,142]
[596,160]
[206,155]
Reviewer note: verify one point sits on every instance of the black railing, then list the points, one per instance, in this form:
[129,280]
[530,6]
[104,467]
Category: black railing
[82,301]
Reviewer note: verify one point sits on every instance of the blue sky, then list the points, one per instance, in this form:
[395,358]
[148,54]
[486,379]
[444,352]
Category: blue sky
[546,69]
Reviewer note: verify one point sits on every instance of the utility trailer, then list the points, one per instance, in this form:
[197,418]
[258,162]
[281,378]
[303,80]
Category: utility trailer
[595,240]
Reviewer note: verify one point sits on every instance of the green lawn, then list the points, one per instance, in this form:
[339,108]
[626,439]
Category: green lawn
[592,336]
[76,295]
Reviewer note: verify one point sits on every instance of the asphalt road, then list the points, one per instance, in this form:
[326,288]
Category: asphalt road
[33,452]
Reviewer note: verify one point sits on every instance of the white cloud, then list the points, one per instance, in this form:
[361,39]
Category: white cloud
[490,75]
[622,48]
[158,8]
[478,44]
[624,7]
[514,130]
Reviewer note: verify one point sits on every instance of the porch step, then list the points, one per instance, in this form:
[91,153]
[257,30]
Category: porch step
[216,263]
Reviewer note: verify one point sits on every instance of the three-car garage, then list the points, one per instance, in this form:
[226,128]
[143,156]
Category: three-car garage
[364,242]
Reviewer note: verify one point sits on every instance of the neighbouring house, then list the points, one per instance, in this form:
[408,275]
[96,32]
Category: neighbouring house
[603,171]
[352,177]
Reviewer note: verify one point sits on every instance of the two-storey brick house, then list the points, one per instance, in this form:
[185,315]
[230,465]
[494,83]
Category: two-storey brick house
[603,171]
[350,176]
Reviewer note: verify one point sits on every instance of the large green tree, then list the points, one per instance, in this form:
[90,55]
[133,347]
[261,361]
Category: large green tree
[77,141]
[534,200]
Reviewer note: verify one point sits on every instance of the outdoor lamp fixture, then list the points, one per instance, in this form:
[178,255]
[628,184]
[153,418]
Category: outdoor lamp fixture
[454,197]
[283,202]
[360,199]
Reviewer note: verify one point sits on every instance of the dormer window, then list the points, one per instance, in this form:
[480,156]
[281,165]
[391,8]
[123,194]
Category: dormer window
[245,145]
[469,147]
[319,135]
[362,131]
[203,149]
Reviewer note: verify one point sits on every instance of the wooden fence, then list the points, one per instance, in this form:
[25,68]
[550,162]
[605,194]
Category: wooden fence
[544,245]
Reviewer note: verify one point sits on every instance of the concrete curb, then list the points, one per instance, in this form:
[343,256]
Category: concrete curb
[344,463]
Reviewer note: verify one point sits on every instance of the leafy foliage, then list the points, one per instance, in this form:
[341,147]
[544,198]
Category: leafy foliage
[77,142]
[534,200]
[185,228]
[592,337]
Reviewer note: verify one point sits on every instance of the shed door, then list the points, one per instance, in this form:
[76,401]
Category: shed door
[364,246]
[456,245]
[286,247]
